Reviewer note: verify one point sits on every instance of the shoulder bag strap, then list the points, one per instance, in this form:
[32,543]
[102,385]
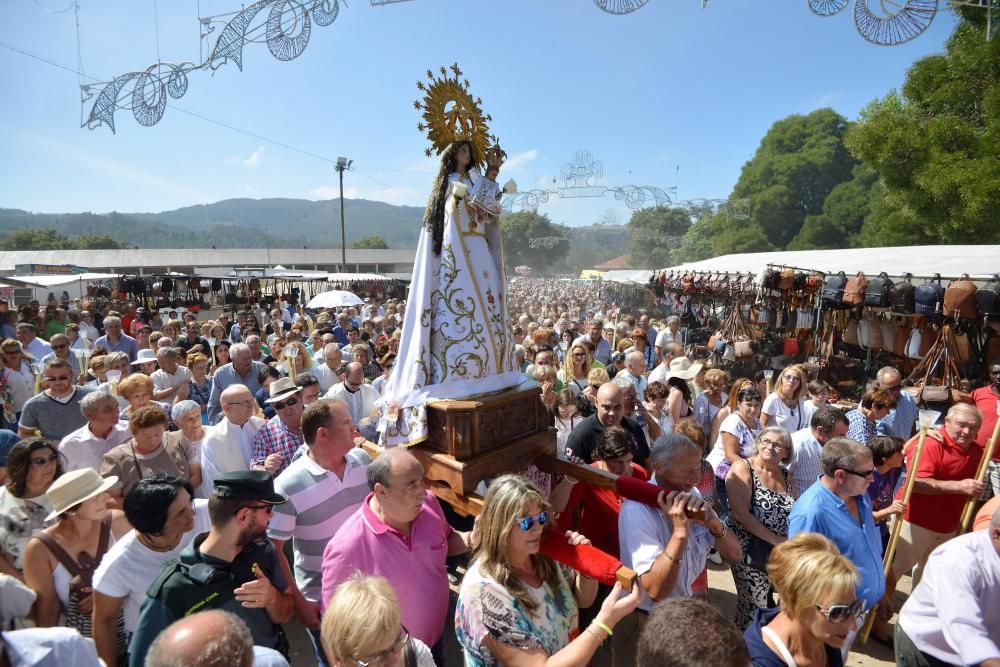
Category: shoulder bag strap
[783,651]
[71,565]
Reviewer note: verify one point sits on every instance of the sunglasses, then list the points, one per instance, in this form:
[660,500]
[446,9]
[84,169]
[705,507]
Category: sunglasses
[43,461]
[285,404]
[61,378]
[267,508]
[528,522]
[862,475]
[839,613]
[60,347]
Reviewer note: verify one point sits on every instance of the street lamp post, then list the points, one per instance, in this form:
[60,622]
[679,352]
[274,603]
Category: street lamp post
[343,164]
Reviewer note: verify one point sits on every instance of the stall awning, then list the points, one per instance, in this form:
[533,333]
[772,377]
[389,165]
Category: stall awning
[979,261]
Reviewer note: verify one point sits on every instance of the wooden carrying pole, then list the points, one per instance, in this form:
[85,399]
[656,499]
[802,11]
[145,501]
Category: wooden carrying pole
[897,524]
[984,466]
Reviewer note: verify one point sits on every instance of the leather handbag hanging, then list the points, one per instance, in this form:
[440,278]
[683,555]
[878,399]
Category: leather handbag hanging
[960,299]
[901,297]
[877,294]
[988,298]
[851,334]
[833,290]
[854,290]
[875,340]
[786,280]
[889,331]
[927,296]
[902,339]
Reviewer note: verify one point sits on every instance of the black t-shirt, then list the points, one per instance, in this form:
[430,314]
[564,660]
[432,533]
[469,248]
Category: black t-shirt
[583,439]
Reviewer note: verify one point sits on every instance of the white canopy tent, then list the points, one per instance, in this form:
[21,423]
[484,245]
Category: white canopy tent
[951,261]
[74,283]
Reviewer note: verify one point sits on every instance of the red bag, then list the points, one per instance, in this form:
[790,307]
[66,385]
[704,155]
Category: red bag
[791,347]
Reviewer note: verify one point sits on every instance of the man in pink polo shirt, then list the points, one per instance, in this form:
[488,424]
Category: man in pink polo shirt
[400,533]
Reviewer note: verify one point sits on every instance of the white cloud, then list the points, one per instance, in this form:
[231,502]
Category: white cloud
[254,158]
[825,100]
[518,160]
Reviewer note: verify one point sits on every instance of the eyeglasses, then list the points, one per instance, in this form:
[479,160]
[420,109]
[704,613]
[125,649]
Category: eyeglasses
[61,378]
[286,404]
[60,347]
[838,613]
[528,522]
[267,508]
[771,444]
[863,475]
[381,658]
[43,461]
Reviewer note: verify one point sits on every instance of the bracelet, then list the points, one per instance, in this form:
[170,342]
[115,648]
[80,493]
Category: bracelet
[594,634]
[725,529]
[602,626]
[671,558]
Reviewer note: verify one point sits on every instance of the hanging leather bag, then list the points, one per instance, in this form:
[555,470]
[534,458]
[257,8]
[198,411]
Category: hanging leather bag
[833,290]
[854,290]
[988,298]
[901,297]
[960,299]
[877,294]
[927,297]
[851,334]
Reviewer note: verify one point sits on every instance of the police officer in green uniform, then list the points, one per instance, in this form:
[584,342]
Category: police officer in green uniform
[232,567]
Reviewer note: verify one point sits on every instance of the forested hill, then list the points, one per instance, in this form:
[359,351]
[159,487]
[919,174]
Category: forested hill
[234,223]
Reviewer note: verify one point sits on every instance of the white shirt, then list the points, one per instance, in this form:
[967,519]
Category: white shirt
[644,533]
[359,403]
[791,419]
[83,449]
[805,466]
[37,348]
[327,376]
[954,613]
[226,447]
[659,374]
[163,380]
[666,337]
[130,567]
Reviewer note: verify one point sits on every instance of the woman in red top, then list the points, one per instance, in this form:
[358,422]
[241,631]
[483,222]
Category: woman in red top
[598,507]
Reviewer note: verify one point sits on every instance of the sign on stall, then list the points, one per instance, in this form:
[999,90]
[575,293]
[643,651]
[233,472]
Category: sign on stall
[50,269]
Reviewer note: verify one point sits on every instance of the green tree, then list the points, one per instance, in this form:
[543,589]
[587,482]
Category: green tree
[799,162]
[696,244]
[653,232]
[98,242]
[844,212]
[369,243]
[36,239]
[522,235]
[935,144]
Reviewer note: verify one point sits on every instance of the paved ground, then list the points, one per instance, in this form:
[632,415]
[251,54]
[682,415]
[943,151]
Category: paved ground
[722,593]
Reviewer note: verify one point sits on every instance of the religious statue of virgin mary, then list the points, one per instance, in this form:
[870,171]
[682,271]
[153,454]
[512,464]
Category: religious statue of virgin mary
[455,339]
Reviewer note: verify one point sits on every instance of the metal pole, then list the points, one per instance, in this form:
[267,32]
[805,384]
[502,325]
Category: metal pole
[343,239]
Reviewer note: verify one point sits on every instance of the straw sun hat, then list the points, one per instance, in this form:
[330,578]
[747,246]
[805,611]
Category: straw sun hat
[75,487]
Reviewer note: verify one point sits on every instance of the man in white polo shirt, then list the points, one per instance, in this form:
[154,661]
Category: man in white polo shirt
[324,488]
[86,446]
[170,381]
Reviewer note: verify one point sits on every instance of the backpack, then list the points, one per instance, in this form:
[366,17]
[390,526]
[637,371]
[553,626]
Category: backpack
[877,294]
[988,298]
[901,297]
[833,290]
[927,297]
[854,290]
[960,299]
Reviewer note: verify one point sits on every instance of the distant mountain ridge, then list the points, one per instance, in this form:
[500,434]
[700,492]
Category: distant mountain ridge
[236,223]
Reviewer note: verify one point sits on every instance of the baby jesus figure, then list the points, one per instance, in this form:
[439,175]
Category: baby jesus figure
[484,198]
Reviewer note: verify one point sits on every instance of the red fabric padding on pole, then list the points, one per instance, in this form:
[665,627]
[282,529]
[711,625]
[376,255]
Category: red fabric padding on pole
[584,558]
[638,490]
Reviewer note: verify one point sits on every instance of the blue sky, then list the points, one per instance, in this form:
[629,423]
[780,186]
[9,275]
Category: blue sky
[672,95]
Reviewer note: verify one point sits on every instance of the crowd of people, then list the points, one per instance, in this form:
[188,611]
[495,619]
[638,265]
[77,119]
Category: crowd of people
[177,490]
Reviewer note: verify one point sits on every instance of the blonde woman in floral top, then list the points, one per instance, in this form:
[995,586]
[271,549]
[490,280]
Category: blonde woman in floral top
[517,606]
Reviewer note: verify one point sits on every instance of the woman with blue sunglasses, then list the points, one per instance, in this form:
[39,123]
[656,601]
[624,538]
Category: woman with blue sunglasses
[517,606]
